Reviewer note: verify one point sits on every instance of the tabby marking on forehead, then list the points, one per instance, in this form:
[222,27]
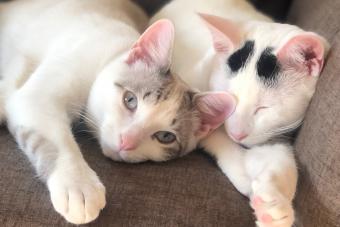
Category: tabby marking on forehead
[147,94]
[239,58]
[268,67]
[187,120]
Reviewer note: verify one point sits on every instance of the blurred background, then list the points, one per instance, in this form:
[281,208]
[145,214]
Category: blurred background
[275,8]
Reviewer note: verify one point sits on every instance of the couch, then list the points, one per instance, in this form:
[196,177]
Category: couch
[192,191]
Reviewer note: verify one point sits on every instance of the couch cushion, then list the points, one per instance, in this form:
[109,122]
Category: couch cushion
[190,191]
[318,143]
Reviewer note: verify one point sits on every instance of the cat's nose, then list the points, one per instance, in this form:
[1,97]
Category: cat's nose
[128,143]
[238,136]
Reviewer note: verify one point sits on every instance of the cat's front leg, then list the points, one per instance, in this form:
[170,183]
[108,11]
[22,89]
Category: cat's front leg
[266,174]
[273,174]
[41,127]
[230,157]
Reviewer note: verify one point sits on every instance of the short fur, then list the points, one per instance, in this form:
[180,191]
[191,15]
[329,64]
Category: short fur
[272,70]
[61,60]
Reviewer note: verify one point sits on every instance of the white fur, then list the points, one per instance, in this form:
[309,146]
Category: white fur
[61,60]
[265,171]
[44,88]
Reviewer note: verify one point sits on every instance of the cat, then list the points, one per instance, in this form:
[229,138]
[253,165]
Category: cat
[62,60]
[272,70]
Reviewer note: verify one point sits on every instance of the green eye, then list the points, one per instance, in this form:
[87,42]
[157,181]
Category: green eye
[165,137]
[130,100]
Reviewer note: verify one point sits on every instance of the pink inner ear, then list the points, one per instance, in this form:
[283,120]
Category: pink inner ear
[214,107]
[225,33]
[155,45]
[304,53]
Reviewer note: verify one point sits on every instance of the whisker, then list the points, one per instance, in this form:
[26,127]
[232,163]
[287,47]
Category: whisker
[281,131]
[287,128]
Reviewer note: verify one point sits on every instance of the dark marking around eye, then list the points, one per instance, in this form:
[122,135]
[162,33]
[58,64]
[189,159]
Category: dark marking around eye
[239,58]
[268,67]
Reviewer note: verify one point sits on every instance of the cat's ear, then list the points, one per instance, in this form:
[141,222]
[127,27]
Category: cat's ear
[214,108]
[155,45]
[225,33]
[304,53]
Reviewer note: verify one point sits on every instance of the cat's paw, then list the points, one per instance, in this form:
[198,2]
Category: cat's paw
[271,208]
[78,197]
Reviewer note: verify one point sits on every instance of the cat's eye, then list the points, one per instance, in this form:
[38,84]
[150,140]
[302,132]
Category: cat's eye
[165,137]
[130,100]
[260,108]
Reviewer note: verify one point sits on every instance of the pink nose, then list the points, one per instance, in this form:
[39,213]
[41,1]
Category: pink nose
[127,143]
[239,136]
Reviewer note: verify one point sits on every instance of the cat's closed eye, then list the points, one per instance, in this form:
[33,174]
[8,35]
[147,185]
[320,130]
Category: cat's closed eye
[260,108]
[130,100]
[165,137]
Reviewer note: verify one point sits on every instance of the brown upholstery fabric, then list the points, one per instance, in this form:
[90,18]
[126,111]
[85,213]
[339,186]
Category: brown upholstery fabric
[318,143]
[190,191]
[274,8]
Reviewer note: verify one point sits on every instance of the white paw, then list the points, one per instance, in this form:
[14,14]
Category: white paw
[78,197]
[271,208]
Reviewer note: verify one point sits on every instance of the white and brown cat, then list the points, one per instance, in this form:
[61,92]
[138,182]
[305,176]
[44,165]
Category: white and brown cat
[272,70]
[59,58]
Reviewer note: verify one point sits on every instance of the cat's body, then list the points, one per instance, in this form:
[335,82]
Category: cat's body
[58,58]
[29,39]
[272,70]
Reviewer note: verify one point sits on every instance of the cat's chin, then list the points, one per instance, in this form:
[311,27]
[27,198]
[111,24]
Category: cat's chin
[249,144]
[110,153]
[113,155]
[244,146]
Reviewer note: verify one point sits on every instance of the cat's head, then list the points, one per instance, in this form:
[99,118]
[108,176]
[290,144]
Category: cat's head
[145,112]
[272,70]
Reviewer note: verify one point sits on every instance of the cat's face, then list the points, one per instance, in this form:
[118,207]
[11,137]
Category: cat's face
[271,69]
[144,112]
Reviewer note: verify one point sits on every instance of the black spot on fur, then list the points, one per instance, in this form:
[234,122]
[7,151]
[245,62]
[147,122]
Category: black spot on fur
[268,67]
[239,58]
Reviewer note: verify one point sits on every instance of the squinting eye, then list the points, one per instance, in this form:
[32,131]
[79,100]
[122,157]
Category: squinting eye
[260,108]
[165,137]
[130,100]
